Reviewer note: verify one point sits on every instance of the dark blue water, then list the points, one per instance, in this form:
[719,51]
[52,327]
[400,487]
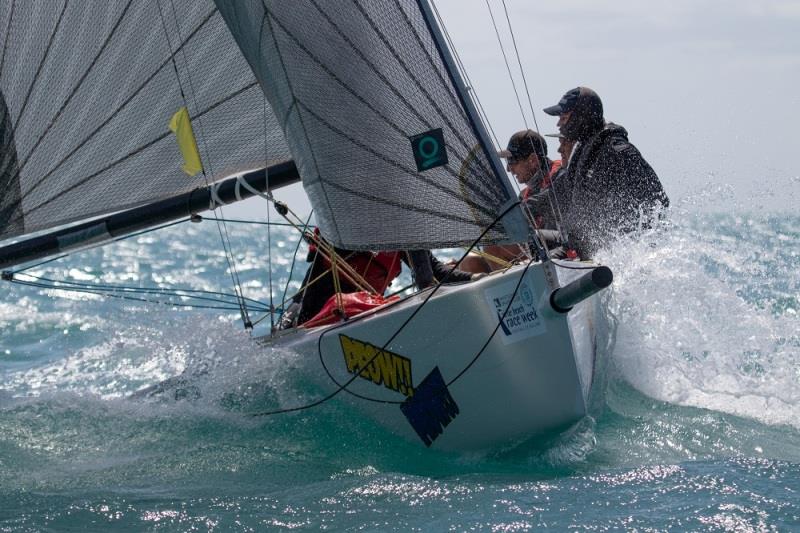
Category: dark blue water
[700,428]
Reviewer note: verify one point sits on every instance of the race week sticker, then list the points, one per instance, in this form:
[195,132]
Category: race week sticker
[522,319]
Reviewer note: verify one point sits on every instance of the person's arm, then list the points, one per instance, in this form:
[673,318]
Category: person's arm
[420,263]
[441,271]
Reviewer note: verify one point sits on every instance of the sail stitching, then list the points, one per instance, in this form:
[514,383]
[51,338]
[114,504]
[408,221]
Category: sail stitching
[8,36]
[409,207]
[383,78]
[116,111]
[473,187]
[134,152]
[41,65]
[75,89]
[268,17]
[432,183]
[420,86]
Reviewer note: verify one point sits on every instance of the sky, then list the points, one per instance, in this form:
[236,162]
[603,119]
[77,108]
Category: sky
[709,90]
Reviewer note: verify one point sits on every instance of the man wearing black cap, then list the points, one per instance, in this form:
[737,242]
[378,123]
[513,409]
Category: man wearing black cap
[610,188]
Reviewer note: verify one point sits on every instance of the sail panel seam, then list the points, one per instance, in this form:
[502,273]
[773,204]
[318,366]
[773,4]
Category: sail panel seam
[268,17]
[8,36]
[41,65]
[420,86]
[133,153]
[116,111]
[417,176]
[473,187]
[75,89]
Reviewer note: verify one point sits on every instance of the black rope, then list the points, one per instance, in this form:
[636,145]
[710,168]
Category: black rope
[343,386]
[122,297]
[103,288]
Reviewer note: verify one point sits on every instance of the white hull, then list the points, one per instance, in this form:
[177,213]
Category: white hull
[534,377]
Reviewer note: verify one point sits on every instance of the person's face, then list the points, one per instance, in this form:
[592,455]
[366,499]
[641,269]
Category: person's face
[523,169]
[565,148]
[563,118]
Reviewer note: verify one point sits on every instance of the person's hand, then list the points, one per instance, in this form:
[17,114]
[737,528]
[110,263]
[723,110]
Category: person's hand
[477,276]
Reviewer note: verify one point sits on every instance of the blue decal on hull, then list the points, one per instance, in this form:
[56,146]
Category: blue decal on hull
[431,409]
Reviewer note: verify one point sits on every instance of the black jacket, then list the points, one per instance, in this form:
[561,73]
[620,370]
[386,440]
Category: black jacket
[609,189]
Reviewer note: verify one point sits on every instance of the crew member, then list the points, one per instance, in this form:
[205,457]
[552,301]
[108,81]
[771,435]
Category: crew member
[611,189]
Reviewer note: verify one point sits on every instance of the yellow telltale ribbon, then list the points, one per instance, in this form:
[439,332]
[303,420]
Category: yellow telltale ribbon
[181,126]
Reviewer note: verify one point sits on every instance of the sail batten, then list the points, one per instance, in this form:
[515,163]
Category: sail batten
[357,82]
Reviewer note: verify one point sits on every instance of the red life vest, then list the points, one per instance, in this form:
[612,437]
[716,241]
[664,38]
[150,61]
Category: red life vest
[378,269]
[546,181]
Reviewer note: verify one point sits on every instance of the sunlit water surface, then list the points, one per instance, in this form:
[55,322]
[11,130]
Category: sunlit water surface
[700,430]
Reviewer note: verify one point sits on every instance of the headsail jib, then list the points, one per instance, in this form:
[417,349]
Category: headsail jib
[354,84]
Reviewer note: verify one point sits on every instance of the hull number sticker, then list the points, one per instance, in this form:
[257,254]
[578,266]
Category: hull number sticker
[389,369]
[522,319]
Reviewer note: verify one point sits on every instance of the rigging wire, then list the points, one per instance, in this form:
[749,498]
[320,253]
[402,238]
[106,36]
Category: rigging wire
[104,289]
[519,62]
[344,386]
[294,259]
[478,104]
[94,290]
[221,227]
[508,67]
[552,199]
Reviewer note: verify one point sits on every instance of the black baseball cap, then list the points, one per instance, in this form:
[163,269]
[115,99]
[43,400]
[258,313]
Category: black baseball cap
[589,100]
[524,143]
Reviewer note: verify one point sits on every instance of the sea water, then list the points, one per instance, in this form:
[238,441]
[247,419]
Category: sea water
[700,426]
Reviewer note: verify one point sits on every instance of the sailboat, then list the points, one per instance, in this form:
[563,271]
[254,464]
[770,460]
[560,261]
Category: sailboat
[363,102]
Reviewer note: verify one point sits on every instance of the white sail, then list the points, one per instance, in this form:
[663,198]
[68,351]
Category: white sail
[87,90]
[353,82]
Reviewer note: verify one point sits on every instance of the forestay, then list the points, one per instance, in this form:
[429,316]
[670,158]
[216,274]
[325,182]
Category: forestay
[351,82]
[87,90]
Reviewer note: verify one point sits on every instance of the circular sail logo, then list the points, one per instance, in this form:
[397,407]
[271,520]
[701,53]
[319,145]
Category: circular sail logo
[429,149]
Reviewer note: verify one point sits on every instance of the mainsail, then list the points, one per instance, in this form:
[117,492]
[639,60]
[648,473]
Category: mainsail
[87,90]
[353,83]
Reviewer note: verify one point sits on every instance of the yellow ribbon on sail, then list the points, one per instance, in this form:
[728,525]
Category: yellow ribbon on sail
[181,126]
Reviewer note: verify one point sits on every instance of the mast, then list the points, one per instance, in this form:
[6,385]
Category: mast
[514,221]
[150,215]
